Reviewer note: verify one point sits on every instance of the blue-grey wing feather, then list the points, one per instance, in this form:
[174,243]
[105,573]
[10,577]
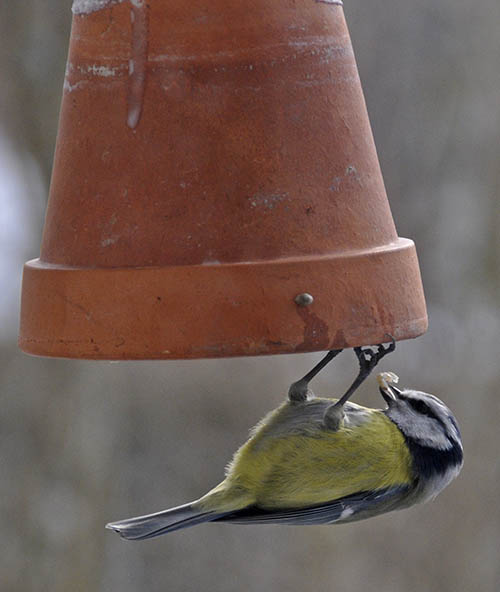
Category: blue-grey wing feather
[346,509]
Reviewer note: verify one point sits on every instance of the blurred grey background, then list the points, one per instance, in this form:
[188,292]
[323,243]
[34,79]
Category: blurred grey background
[85,442]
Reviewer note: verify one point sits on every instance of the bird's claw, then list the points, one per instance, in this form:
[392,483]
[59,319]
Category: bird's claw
[369,357]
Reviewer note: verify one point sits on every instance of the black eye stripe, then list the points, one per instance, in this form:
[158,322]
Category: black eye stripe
[420,407]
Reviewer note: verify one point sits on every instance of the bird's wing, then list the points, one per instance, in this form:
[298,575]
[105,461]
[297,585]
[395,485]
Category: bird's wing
[345,509]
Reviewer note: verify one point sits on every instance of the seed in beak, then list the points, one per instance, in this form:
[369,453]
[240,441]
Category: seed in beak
[386,380]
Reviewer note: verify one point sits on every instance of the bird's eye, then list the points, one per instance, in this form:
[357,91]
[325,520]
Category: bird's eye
[419,406]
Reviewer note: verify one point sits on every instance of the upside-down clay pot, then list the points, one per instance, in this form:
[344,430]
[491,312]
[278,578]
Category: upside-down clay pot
[216,190]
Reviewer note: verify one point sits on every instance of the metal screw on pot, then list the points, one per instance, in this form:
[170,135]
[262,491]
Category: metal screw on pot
[304,299]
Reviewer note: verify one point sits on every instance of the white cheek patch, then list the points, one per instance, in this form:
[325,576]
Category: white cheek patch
[436,484]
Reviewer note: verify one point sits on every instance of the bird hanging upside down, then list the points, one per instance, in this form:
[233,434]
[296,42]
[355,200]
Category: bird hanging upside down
[325,461]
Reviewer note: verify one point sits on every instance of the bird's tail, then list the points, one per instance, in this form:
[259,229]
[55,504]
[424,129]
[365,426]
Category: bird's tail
[152,525]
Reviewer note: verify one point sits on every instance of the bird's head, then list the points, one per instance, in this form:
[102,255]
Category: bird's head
[422,418]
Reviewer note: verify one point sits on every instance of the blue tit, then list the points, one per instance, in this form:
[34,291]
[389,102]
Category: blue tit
[327,461]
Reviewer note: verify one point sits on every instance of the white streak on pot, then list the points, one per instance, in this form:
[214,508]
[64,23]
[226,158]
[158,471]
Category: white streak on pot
[139,19]
[88,6]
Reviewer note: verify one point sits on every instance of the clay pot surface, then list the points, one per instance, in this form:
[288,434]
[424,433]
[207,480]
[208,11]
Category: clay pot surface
[212,163]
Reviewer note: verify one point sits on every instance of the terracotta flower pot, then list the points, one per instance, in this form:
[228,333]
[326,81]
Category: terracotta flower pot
[214,161]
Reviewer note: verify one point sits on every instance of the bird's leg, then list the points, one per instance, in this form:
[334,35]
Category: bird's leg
[368,359]
[298,390]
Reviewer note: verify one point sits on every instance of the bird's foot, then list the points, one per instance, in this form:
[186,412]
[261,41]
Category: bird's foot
[369,357]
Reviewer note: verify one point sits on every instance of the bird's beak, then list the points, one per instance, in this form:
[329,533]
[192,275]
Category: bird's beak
[387,389]
[389,393]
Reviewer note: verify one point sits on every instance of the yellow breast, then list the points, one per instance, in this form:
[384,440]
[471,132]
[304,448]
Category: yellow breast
[292,460]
